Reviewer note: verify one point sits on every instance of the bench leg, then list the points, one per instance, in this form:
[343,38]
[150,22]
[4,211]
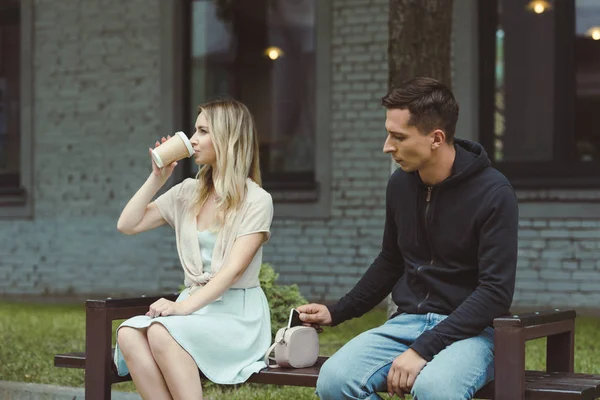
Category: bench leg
[97,354]
[509,363]
[560,351]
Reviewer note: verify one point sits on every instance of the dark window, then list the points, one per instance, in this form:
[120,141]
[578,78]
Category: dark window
[9,95]
[540,88]
[261,52]
[587,83]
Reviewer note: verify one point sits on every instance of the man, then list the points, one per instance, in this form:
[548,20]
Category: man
[448,256]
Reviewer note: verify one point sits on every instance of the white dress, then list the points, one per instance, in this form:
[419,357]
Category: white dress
[227,338]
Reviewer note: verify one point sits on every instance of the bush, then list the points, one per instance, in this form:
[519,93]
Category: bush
[281,297]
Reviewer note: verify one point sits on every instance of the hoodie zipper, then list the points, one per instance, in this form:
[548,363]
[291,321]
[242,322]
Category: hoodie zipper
[428,200]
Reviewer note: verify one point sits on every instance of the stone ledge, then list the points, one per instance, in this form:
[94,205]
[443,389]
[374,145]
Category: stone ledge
[35,391]
[558,195]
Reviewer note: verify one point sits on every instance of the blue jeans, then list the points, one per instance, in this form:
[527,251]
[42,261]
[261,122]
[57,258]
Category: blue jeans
[359,369]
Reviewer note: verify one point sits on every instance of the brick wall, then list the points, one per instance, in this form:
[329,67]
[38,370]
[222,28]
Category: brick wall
[327,257]
[558,263]
[96,94]
[97,82]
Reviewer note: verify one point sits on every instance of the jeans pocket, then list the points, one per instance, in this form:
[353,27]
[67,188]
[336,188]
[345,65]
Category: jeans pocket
[435,319]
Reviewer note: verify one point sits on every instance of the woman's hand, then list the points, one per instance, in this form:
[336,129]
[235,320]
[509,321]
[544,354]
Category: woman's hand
[165,172]
[163,308]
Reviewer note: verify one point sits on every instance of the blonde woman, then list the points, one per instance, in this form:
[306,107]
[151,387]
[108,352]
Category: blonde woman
[219,324]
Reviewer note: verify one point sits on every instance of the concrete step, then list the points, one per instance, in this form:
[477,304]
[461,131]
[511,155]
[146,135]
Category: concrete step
[34,391]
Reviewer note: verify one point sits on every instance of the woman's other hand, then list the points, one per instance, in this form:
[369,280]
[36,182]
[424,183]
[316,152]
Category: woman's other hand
[163,308]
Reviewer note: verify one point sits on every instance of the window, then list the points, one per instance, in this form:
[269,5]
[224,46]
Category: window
[540,86]
[9,94]
[265,54]
[16,164]
[587,85]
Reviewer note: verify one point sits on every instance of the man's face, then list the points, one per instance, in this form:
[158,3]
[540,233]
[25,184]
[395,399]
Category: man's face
[410,149]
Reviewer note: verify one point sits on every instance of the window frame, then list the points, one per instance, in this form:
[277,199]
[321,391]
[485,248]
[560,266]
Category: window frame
[559,172]
[295,195]
[16,200]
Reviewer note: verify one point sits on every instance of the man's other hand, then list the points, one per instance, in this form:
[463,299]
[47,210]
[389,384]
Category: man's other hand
[403,373]
[314,315]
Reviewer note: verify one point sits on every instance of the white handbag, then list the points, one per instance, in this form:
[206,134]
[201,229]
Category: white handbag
[296,347]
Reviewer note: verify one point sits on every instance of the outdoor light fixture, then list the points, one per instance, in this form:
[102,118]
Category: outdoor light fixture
[539,6]
[273,52]
[593,32]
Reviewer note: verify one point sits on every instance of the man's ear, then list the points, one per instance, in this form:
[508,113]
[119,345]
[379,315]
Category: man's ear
[439,137]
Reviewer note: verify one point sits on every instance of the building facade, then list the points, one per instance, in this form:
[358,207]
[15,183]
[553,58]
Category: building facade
[100,81]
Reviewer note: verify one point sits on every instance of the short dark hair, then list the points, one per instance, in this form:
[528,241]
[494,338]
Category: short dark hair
[430,103]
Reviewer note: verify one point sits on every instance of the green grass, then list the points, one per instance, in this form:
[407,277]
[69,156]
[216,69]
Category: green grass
[31,334]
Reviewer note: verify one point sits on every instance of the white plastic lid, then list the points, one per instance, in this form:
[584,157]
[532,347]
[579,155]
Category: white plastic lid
[186,141]
[157,159]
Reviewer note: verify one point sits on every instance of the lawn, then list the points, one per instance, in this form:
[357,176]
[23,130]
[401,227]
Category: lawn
[32,334]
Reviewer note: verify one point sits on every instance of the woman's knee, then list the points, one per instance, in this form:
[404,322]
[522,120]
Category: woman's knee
[159,339]
[130,340]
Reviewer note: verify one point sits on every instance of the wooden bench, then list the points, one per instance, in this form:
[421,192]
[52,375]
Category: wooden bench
[511,380]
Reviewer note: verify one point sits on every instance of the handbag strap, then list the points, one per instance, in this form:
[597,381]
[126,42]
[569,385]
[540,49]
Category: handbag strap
[275,343]
[268,353]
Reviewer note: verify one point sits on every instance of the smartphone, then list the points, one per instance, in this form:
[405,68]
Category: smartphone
[294,318]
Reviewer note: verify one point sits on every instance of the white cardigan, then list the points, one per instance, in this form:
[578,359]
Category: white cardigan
[255,215]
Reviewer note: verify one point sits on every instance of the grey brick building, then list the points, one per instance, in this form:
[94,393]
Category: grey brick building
[98,81]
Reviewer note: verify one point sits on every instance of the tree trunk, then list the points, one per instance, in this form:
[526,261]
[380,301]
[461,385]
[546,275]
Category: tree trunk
[420,39]
[419,44]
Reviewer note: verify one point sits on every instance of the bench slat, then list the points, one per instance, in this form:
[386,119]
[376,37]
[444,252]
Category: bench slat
[283,376]
[539,385]
[547,385]
[70,360]
[277,376]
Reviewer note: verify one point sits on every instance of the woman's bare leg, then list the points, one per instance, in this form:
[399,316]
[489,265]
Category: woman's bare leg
[144,371]
[178,367]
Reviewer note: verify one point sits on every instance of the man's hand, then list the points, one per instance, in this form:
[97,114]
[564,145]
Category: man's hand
[403,372]
[314,315]
[163,307]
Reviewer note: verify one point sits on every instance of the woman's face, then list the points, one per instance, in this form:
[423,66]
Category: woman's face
[204,151]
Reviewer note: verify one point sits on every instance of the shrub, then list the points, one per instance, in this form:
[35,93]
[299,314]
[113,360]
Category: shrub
[281,297]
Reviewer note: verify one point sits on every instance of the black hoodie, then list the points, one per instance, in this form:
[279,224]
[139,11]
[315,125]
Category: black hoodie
[449,249]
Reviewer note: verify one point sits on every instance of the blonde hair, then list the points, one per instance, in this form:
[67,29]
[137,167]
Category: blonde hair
[235,140]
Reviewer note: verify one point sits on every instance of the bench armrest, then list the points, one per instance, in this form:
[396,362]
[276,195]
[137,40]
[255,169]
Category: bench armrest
[510,335]
[141,301]
[124,308]
[534,318]
[99,315]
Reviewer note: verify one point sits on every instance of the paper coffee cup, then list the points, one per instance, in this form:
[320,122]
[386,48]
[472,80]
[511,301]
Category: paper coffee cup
[176,148]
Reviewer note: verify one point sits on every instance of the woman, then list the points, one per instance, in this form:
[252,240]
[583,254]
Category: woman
[220,322]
